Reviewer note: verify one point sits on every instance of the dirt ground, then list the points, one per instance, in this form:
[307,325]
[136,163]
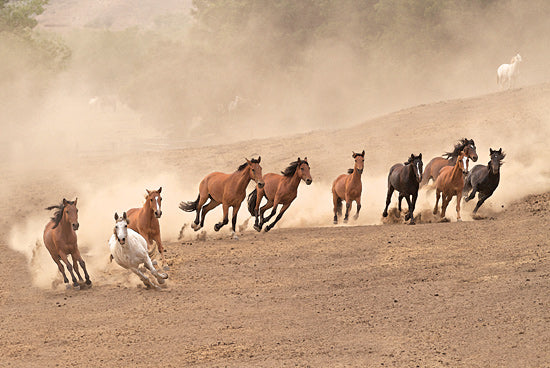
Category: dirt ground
[469,294]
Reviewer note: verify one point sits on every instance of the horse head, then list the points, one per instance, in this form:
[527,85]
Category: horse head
[359,161]
[462,162]
[303,171]
[416,165]
[70,213]
[153,200]
[121,228]
[256,171]
[496,160]
[470,150]
[517,58]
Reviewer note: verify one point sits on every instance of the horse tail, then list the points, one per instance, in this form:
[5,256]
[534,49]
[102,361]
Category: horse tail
[339,206]
[190,206]
[252,197]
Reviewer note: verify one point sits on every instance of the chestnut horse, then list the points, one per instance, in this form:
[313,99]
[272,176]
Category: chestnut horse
[60,240]
[450,183]
[227,189]
[405,178]
[484,179]
[434,166]
[278,189]
[348,187]
[144,220]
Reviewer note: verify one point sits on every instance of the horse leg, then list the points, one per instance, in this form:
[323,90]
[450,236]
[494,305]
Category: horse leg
[458,200]
[348,207]
[281,212]
[202,200]
[412,206]
[225,220]
[388,200]
[401,196]
[262,221]
[144,278]
[437,196]
[61,269]
[207,208]
[358,203]
[472,194]
[157,240]
[83,265]
[273,211]
[234,220]
[160,276]
[482,198]
[337,202]
[444,203]
[70,269]
[75,268]
[408,214]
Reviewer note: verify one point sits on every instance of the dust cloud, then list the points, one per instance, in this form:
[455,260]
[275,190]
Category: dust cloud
[94,124]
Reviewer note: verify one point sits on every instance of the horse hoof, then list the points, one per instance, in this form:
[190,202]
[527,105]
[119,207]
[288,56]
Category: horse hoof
[384,214]
[216,227]
[412,222]
[163,275]
[407,217]
[89,283]
[76,286]
[257,228]
[335,222]
[267,228]
[459,220]
[345,221]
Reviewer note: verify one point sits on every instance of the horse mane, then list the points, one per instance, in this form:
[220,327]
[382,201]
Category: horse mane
[243,166]
[350,171]
[58,214]
[291,169]
[458,147]
[500,158]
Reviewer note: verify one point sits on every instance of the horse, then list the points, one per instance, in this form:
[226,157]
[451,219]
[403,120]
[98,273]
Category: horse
[278,189]
[508,73]
[145,221]
[405,178]
[226,189]
[129,250]
[348,187]
[484,179]
[450,183]
[434,166]
[61,241]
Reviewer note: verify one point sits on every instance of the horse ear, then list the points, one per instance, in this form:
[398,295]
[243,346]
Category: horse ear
[353,154]
[259,159]
[248,161]
[124,216]
[500,150]
[116,216]
[491,151]
[64,201]
[148,191]
[305,159]
[75,200]
[420,156]
[363,154]
[160,190]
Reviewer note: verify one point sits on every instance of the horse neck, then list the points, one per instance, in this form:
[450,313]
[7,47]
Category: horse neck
[295,179]
[242,178]
[456,170]
[147,212]
[355,175]
[65,227]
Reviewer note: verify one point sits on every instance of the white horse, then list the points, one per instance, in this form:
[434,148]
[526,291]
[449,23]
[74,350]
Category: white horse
[129,250]
[508,73]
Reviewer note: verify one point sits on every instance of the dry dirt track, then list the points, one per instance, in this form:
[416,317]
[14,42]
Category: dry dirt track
[471,294]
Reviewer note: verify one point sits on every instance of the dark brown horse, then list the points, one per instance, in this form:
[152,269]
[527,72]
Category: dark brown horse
[226,189]
[144,220]
[434,166]
[449,183]
[348,187]
[484,179]
[405,178]
[61,241]
[278,189]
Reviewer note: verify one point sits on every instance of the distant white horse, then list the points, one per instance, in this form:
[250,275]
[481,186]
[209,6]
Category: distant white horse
[129,250]
[508,73]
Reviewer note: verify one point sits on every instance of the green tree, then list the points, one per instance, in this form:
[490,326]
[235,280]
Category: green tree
[20,14]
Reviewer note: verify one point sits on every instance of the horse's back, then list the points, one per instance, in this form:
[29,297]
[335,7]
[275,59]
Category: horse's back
[213,185]
[338,185]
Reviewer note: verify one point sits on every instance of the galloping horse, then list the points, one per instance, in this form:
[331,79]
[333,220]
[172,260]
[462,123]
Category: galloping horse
[145,221]
[348,187]
[507,73]
[227,189]
[60,240]
[484,179]
[129,250]
[450,183]
[278,189]
[405,178]
[434,166]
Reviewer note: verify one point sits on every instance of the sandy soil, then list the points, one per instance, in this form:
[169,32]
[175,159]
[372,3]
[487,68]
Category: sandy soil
[470,294]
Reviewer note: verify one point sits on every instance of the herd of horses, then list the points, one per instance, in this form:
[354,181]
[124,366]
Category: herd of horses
[136,234]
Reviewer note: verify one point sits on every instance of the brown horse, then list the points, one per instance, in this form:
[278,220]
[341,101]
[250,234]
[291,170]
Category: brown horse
[433,167]
[60,240]
[227,189]
[450,183]
[348,187]
[278,189]
[145,221]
